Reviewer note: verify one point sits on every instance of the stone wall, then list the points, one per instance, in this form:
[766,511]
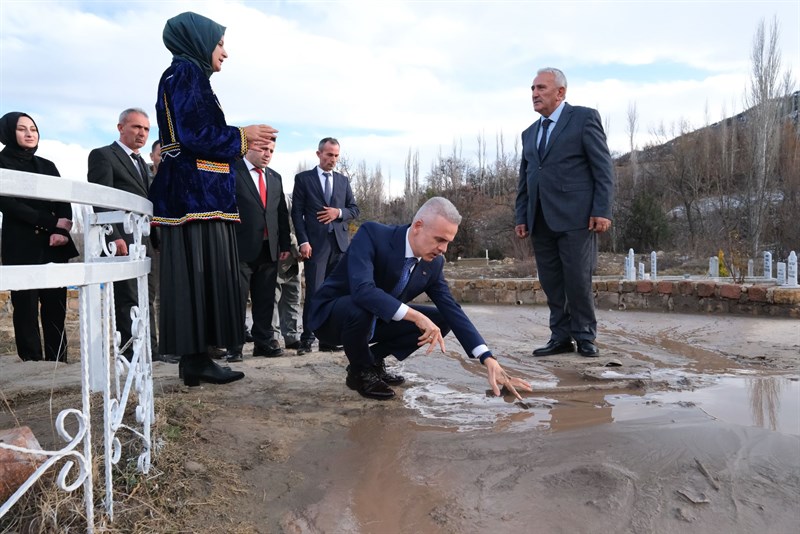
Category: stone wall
[685,296]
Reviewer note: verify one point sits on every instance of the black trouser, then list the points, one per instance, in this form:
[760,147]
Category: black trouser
[258,278]
[565,262]
[26,323]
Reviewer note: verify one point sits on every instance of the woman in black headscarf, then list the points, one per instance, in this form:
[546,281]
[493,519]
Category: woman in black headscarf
[34,232]
[194,203]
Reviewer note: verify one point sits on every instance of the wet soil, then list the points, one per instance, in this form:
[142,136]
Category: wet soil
[684,423]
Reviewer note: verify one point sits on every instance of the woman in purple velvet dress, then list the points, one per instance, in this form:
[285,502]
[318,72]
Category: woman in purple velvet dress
[194,203]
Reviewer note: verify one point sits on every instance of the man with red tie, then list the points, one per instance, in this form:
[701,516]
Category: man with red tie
[262,239]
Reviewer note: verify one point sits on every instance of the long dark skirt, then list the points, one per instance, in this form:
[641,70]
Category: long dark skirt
[200,298]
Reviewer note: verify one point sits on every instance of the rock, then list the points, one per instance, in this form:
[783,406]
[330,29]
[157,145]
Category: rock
[16,467]
[194,467]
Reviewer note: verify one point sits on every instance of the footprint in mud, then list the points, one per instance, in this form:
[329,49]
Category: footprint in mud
[604,487]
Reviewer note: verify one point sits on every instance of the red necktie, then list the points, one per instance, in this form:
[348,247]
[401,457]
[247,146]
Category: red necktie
[262,187]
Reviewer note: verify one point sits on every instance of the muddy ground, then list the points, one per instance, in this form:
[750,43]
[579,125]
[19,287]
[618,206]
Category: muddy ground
[686,423]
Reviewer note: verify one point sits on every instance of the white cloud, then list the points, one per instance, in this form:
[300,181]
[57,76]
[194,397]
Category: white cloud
[386,76]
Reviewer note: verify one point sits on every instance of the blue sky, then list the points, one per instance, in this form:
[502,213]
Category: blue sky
[385,77]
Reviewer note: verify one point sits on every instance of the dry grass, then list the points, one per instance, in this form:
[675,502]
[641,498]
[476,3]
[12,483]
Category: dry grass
[170,498]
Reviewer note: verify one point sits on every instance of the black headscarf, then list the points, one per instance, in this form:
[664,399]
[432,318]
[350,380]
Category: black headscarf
[8,136]
[193,37]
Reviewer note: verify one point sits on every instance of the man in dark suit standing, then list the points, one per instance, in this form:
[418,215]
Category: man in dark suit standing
[322,203]
[121,166]
[564,199]
[262,240]
[364,301]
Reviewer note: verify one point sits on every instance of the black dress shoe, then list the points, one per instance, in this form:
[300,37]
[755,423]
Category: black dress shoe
[390,378]
[368,384]
[234,357]
[248,336]
[217,353]
[201,368]
[181,364]
[555,347]
[324,347]
[294,345]
[166,358]
[272,350]
[305,347]
[587,348]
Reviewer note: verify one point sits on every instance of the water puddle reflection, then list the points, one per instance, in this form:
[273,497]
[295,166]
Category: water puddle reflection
[444,395]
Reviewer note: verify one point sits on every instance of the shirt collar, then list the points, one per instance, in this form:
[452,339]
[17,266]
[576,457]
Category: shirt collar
[127,150]
[320,171]
[250,166]
[557,113]
[409,252]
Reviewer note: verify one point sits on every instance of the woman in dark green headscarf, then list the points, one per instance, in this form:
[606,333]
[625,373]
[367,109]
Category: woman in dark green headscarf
[194,203]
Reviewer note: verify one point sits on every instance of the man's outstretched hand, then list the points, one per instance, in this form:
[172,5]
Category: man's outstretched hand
[499,378]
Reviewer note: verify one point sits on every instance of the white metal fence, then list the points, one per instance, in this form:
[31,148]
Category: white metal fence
[104,369]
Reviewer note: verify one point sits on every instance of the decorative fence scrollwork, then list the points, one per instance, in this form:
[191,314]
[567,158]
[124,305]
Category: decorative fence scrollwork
[104,368]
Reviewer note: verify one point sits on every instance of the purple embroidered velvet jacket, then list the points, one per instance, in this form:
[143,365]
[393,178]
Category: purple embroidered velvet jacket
[195,180]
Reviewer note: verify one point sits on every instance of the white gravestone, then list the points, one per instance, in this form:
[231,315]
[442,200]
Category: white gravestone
[767,265]
[653,266]
[781,273]
[791,270]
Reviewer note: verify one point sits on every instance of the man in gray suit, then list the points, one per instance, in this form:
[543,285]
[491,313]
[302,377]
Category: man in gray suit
[564,199]
[322,204]
[287,313]
[120,165]
[262,240]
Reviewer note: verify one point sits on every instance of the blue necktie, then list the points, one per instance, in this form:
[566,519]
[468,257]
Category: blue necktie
[328,188]
[543,140]
[405,274]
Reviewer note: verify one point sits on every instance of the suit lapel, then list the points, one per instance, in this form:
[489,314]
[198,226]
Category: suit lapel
[246,175]
[563,120]
[127,162]
[315,183]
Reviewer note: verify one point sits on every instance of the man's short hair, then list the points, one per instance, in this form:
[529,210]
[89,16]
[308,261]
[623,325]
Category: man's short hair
[560,79]
[155,143]
[437,206]
[124,115]
[331,140]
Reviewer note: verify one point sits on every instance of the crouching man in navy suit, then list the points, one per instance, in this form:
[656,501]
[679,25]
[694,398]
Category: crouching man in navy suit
[364,299]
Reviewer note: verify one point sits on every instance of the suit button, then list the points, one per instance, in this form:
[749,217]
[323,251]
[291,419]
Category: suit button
[540,167]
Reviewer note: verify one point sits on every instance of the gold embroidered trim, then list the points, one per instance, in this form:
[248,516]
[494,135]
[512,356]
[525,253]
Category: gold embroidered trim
[244,141]
[169,121]
[213,166]
[167,221]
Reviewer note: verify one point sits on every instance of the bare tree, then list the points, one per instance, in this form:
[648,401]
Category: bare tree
[767,87]
[632,128]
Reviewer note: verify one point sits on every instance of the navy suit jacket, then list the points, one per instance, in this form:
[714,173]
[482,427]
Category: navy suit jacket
[574,180]
[255,217]
[308,198]
[370,269]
